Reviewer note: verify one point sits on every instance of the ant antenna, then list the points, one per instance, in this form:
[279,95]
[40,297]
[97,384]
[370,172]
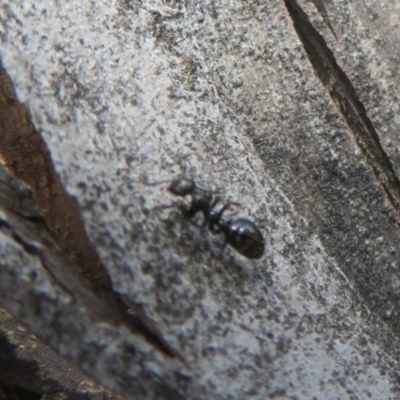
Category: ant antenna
[165,206]
[144,180]
[157,183]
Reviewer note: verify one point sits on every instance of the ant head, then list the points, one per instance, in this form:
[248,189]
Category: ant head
[182,186]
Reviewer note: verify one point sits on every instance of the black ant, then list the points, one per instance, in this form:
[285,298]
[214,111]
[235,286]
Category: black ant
[240,233]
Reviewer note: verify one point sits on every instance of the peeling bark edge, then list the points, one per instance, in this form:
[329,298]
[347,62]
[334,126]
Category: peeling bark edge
[25,154]
[41,291]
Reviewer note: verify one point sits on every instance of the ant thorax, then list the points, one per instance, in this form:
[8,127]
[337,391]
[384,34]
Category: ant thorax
[201,200]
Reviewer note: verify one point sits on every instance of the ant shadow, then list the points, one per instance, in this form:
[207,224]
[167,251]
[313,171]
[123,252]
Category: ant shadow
[204,257]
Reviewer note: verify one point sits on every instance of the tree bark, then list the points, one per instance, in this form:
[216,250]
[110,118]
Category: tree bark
[288,108]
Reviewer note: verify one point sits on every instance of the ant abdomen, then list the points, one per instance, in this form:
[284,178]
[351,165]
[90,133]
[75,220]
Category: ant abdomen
[245,237]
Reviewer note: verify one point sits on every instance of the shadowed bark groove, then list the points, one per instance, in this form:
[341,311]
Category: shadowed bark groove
[36,241]
[346,99]
[29,366]
[25,154]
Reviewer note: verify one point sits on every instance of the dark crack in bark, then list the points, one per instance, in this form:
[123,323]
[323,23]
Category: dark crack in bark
[37,242]
[346,99]
[320,6]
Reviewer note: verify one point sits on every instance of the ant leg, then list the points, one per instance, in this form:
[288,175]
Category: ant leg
[166,206]
[213,192]
[147,183]
[210,212]
[185,208]
[220,253]
[222,210]
[223,248]
[210,258]
[217,199]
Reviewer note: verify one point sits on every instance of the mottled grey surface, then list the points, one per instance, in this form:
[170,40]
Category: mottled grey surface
[368,51]
[126,91]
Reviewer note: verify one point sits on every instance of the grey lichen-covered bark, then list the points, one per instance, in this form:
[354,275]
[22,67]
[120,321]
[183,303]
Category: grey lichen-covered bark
[289,108]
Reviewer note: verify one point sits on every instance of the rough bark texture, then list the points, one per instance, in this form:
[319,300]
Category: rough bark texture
[289,108]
